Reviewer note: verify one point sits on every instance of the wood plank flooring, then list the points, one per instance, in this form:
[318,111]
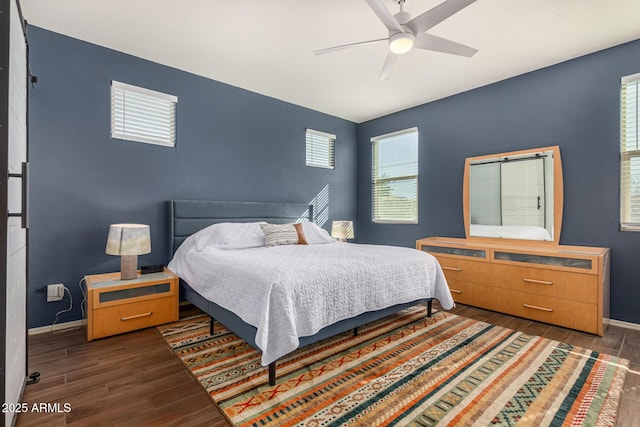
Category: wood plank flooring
[135,379]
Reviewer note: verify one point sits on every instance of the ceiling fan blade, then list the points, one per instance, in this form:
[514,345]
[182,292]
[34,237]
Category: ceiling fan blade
[436,15]
[345,46]
[431,42]
[384,15]
[388,65]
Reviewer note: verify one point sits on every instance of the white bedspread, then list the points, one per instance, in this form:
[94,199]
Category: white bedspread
[292,291]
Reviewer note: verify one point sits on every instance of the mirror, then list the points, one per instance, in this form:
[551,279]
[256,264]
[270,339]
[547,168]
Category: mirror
[514,195]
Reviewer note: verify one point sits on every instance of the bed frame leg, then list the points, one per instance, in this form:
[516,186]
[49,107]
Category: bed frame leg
[211,327]
[429,307]
[272,374]
[355,332]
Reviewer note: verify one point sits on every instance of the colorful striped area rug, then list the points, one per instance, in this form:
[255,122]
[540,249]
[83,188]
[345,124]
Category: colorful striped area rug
[406,369]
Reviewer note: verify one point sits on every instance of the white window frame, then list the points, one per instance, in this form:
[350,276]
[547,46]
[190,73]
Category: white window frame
[320,149]
[142,115]
[629,136]
[376,181]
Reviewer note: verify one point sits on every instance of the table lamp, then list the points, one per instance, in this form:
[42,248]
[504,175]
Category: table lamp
[342,230]
[128,241]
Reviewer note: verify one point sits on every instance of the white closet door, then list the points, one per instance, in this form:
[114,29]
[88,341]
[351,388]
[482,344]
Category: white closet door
[484,194]
[16,279]
[523,192]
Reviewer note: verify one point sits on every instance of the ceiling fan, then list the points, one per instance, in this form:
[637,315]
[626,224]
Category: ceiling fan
[406,33]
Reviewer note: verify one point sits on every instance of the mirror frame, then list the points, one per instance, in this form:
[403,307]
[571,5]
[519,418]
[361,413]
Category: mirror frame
[558,195]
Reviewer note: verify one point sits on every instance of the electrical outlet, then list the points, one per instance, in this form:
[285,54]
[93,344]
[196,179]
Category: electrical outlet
[55,292]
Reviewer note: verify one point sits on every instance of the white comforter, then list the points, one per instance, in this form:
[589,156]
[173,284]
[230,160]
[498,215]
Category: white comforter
[293,291]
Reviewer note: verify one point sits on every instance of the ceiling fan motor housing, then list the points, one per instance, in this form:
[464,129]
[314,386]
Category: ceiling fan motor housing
[400,43]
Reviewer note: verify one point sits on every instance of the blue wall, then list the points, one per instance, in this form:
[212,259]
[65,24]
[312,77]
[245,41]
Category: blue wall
[575,105]
[238,145]
[232,144]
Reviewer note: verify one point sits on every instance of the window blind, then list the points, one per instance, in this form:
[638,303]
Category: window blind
[320,149]
[395,177]
[630,153]
[142,115]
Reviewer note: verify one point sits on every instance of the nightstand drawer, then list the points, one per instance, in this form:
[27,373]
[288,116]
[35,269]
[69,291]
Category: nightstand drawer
[128,317]
[132,293]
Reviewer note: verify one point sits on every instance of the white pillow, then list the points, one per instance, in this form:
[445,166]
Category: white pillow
[230,235]
[279,234]
[316,235]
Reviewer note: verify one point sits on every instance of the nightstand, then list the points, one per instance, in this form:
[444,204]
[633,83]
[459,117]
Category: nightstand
[115,306]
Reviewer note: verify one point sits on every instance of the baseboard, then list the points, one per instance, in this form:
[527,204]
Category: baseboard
[622,324]
[58,327]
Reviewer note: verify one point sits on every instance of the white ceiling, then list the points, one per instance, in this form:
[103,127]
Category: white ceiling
[266,46]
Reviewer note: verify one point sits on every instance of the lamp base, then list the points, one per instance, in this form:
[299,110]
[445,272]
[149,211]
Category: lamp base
[128,267]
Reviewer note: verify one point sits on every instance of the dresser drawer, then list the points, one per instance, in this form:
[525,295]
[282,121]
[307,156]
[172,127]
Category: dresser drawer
[557,311]
[561,284]
[128,317]
[470,271]
[567,313]
[462,292]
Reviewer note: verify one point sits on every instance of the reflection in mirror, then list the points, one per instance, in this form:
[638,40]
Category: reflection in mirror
[511,195]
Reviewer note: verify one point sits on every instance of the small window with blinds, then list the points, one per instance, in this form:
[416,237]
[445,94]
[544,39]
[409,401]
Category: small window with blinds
[395,177]
[630,153]
[320,149]
[143,115]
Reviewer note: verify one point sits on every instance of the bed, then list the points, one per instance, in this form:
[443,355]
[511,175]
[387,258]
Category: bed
[264,294]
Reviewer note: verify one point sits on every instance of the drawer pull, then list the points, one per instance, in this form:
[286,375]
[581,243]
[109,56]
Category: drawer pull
[136,316]
[455,291]
[541,282]
[452,268]
[535,307]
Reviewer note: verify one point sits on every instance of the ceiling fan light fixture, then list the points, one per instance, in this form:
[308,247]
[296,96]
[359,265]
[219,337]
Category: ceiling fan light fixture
[401,42]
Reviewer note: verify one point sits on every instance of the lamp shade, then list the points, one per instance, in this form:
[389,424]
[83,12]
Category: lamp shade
[342,230]
[128,239]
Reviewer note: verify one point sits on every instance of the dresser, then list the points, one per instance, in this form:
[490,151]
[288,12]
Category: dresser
[562,285]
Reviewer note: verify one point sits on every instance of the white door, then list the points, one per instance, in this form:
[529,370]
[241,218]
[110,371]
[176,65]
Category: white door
[16,235]
[523,192]
[484,194]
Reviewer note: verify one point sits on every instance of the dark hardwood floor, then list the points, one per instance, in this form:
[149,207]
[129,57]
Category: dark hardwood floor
[135,379]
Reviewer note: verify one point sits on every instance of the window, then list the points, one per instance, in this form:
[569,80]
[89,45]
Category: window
[395,177]
[630,153]
[142,115]
[320,151]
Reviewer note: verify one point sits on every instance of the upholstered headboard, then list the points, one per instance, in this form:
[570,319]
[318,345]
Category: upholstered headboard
[190,216]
